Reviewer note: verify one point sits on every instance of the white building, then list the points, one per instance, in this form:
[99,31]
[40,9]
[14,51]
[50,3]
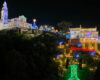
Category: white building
[77,33]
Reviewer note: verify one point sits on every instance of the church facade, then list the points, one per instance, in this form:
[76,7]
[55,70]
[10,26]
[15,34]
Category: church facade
[6,23]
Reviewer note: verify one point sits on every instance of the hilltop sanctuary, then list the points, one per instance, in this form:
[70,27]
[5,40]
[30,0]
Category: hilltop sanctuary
[6,23]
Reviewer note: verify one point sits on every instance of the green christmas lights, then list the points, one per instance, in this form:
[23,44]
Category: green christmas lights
[74,73]
[23,17]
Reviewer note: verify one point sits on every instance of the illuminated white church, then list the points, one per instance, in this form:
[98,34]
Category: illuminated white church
[6,23]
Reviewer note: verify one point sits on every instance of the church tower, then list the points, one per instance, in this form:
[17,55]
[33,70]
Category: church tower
[4,13]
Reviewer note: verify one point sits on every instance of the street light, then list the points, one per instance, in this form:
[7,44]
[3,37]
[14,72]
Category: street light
[34,20]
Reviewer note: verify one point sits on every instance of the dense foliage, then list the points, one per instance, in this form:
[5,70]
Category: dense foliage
[64,26]
[29,59]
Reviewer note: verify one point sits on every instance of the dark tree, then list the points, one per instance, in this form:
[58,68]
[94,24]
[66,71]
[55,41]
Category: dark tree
[28,59]
[64,25]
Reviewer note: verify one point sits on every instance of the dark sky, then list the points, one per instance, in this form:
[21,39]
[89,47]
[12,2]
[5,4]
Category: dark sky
[51,11]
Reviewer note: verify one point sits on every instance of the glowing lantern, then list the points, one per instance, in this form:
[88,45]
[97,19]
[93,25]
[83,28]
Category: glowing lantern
[70,51]
[67,44]
[61,56]
[83,65]
[34,20]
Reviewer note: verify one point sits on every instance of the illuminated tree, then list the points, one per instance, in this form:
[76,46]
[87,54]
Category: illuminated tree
[74,73]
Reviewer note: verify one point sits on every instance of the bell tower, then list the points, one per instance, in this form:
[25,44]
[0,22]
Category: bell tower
[4,13]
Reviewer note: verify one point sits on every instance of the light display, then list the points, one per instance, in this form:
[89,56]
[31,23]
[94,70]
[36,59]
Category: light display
[77,56]
[64,34]
[82,49]
[90,43]
[83,65]
[70,51]
[77,33]
[69,35]
[34,23]
[67,45]
[4,13]
[24,18]
[79,45]
[41,28]
[89,34]
[14,22]
[58,56]
[93,53]
[60,43]
[59,33]
[74,73]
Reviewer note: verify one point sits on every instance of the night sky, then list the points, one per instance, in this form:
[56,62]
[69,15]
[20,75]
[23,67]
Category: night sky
[50,12]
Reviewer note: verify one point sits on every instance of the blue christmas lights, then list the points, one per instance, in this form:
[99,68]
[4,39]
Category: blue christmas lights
[79,45]
[77,56]
[69,35]
[92,53]
[60,43]
[58,56]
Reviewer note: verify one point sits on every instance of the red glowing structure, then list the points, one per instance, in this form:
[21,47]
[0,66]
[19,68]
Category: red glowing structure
[82,49]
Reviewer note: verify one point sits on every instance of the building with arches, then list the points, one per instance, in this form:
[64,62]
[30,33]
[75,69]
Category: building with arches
[88,37]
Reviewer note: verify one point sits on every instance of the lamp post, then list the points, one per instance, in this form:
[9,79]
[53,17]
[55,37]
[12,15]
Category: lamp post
[34,25]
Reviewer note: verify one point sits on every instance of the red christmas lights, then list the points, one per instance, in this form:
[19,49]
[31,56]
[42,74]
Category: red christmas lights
[82,49]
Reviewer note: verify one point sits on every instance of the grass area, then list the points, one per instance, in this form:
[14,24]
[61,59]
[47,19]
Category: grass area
[84,74]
